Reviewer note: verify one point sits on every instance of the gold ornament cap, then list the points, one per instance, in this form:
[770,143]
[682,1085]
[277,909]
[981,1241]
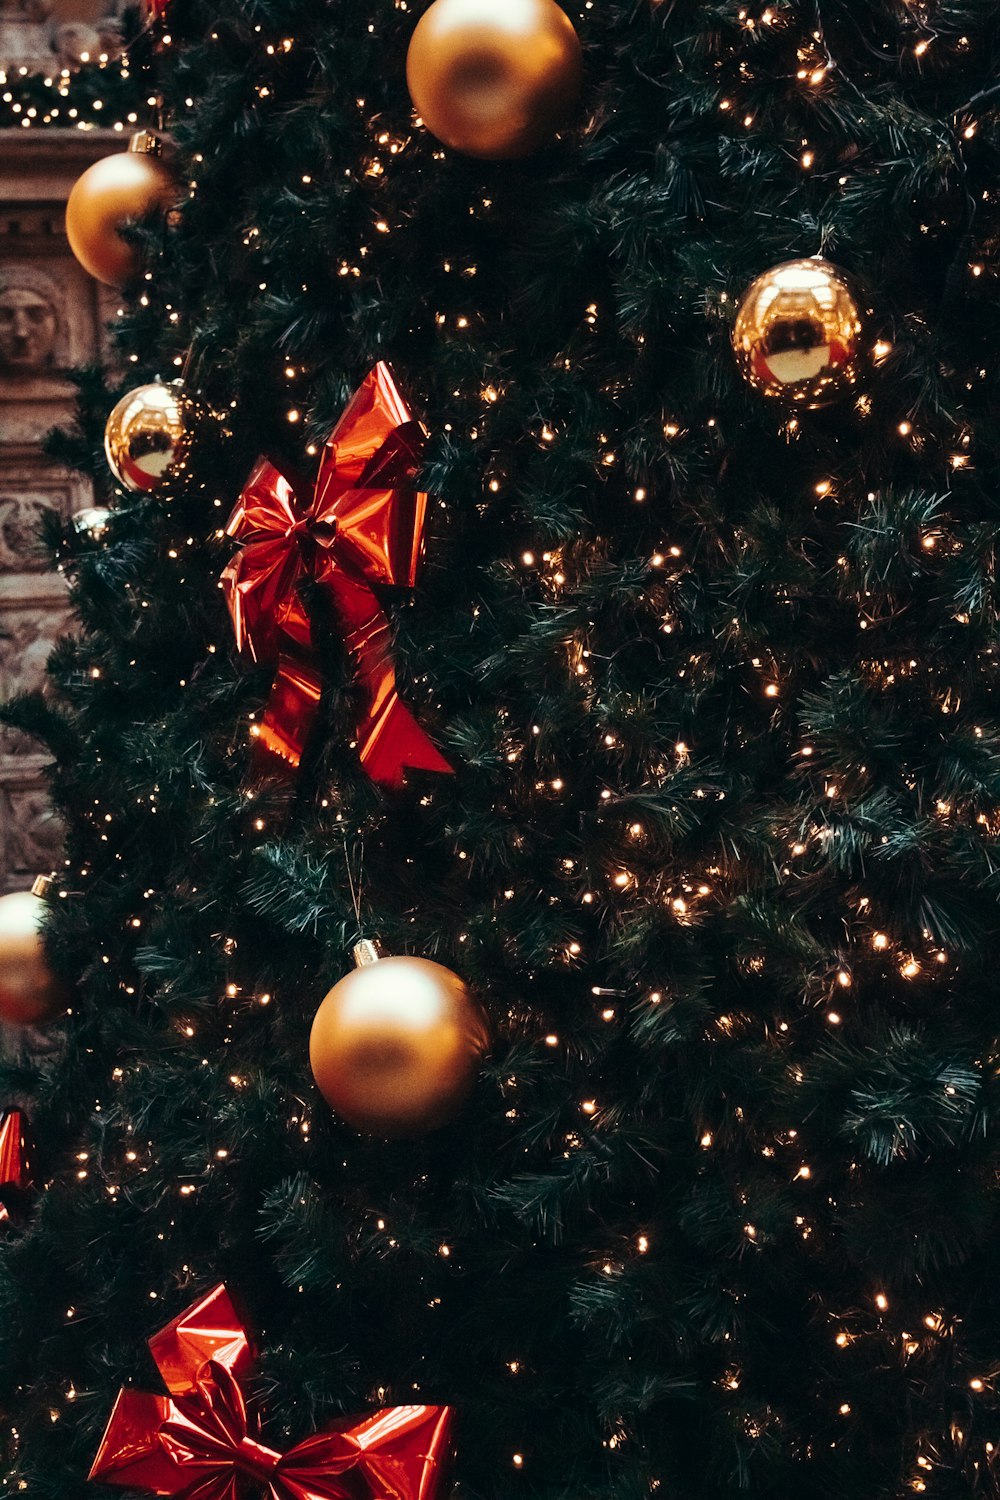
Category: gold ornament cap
[368,951]
[146,143]
[42,886]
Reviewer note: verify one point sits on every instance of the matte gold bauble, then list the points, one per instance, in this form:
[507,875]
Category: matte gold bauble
[798,333]
[30,994]
[396,1045]
[494,78]
[129,185]
[147,433]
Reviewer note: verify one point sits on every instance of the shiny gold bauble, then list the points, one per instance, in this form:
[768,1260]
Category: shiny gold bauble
[30,994]
[798,333]
[129,185]
[396,1045]
[94,521]
[494,78]
[148,432]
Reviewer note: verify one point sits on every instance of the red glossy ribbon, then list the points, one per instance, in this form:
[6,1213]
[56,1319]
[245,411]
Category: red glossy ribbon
[16,1176]
[200,1442]
[363,525]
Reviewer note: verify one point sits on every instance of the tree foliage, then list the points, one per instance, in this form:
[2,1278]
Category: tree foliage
[721,851]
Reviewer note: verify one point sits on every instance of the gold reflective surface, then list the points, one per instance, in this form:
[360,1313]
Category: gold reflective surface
[147,432]
[798,333]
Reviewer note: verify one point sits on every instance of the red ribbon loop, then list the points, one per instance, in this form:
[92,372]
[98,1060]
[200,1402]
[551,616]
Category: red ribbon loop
[362,526]
[196,1443]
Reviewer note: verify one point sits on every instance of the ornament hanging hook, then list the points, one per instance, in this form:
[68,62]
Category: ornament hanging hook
[355,885]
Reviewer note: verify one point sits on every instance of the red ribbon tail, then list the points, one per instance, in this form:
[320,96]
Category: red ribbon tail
[291,712]
[390,740]
[394,743]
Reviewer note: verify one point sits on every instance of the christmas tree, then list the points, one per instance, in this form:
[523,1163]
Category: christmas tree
[713,666]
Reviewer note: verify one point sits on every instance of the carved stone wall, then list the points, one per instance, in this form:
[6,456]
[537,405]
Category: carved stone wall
[45,36]
[52,317]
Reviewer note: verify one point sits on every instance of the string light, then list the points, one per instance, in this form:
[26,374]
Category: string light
[640,885]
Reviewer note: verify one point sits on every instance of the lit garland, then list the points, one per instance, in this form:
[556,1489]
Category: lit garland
[104,93]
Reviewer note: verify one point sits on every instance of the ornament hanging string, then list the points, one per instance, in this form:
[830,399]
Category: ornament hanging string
[354,886]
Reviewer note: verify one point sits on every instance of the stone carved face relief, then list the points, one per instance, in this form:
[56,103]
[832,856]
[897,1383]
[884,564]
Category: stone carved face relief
[29,327]
[20,546]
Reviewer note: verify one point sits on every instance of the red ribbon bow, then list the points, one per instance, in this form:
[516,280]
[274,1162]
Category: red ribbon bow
[363,525]
[16,1177]
[200,1442]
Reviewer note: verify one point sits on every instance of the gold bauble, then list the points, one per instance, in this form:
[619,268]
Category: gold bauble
[494,78]
[30,994]
[94,521]
[116,189]
[798,333]
[396,1045]
[148,432]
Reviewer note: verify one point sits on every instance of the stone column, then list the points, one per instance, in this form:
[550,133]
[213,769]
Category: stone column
[52,317]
